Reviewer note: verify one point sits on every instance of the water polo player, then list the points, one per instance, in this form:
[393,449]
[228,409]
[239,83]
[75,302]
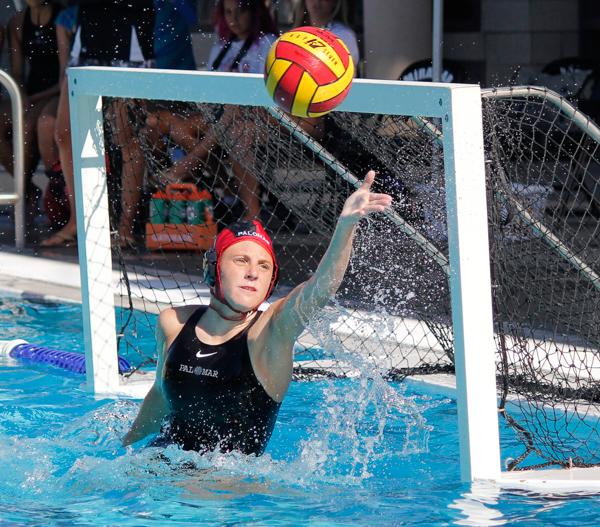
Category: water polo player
[224,369]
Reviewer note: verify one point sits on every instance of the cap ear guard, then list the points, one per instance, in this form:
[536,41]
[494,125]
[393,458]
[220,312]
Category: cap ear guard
[209,265]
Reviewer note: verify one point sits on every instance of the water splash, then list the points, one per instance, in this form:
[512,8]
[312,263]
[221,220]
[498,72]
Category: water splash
[351,427]
[349,433]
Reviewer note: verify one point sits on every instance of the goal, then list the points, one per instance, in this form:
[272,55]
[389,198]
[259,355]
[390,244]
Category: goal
[206,148]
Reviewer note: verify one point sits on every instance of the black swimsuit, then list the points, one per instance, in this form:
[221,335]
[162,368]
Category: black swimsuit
[41,51]
[215,399]
[113,32]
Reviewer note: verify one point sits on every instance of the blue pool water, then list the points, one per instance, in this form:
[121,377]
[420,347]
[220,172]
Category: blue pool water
[344,452]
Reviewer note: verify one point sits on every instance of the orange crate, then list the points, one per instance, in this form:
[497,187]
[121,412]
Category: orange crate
[190,211]
[180,236]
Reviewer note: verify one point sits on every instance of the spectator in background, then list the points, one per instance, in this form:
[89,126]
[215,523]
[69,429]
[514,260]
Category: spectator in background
[172,50]
[34,66]
[101,24]
[56,203]
[330,15]
[172,41]
[245,32]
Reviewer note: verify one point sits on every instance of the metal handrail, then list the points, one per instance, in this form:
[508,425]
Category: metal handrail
[17,197]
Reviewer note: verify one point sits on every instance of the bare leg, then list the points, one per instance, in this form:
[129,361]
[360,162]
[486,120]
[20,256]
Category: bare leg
[65,151]
[171,124]
[45,132]
[185,132]
[314,126]
[192,160]
[31,156]
[132,173]
[248,191]
[244,132]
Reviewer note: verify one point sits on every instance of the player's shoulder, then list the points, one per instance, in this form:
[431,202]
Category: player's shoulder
[269,322]
[174,318]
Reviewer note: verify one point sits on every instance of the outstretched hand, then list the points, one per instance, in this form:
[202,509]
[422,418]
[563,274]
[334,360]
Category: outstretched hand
[363,202]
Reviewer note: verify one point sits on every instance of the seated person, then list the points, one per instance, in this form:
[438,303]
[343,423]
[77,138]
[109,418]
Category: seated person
[172,39]
[245,32]
[56,203]
[329,15]
[34,65]
[99,24]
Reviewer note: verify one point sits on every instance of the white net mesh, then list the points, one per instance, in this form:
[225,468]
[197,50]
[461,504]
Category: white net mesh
[295,178]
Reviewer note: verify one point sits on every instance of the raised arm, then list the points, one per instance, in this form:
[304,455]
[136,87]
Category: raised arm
[287,318]
[294,312]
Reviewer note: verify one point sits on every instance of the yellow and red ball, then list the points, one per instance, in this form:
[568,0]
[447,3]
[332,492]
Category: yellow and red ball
[308,71]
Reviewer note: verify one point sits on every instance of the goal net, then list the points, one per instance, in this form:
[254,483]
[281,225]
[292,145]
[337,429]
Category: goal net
[543,184]
[295,178]
[203,156]
[544,216]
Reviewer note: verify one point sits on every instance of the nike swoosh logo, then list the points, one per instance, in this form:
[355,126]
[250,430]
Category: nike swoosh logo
[201,355]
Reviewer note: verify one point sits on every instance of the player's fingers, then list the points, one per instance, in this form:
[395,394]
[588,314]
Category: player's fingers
[384,201]
[368,181]
[379,197]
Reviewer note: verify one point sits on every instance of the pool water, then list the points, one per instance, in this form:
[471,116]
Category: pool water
[344,452]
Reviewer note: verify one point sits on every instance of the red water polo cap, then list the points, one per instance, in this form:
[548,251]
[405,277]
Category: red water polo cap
[244,231]
[240,232]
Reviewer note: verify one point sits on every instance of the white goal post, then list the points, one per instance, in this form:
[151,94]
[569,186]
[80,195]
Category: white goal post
[458,107]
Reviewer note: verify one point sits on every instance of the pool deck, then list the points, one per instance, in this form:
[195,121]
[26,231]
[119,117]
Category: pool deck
[581,481]
[37,276]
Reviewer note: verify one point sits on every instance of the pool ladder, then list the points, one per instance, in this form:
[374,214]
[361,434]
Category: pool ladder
[16,198]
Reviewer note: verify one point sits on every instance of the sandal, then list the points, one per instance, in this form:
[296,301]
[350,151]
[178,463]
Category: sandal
[60,239]
[126,241]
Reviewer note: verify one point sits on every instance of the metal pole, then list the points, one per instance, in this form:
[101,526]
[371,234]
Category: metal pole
[437,36]
[17,198]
